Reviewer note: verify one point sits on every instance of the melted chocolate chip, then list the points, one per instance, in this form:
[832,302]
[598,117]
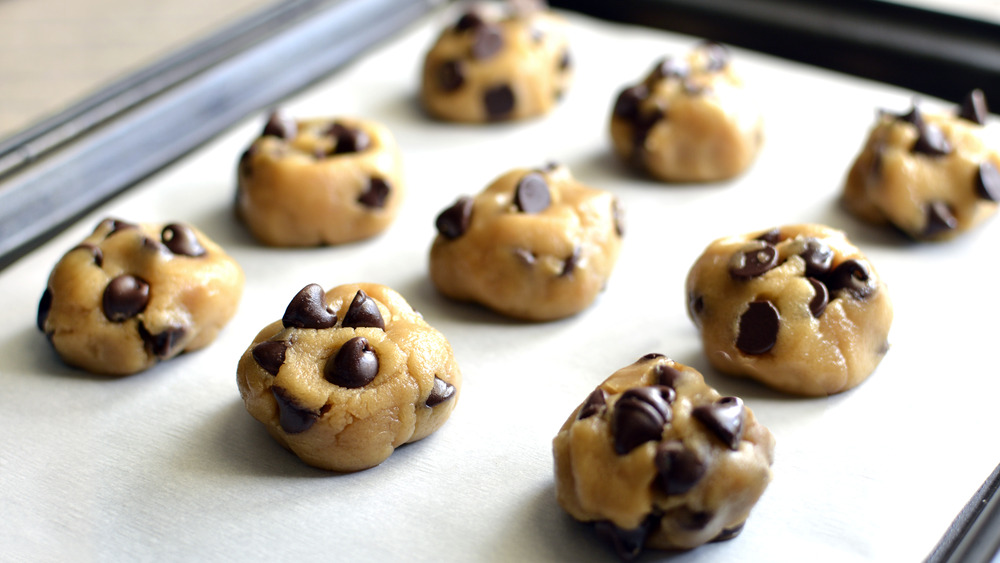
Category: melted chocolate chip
[852,276]
[354,365]
[454,221]
[595,403]
[818,257]
[667,376]
[270,355]
[988,182]
[498,101]
[729,533]
[570,264]
[940,219]
[161,344]
[532,193]
[820,298]
[44,306]
[125,297]
[279,126]
[751,263]
[772,236]
[627,543]
[724,418]
[716,54]
[308,309]
[441,392]
[348,139]
[640,415]
[618,216]
[487,41]
[469,20]
[95,252]
[180,239]
[450,76]
[678,469]
[363,312]
[758,329]
[627,104]
[375,194]
[974,108]
[931,141]
[292,417]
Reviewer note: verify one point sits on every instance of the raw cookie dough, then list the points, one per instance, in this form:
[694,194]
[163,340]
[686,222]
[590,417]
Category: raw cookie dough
[319,181]
[130,295]
[497,67]
[689,120]
[534,245]
[349,375]
[656,458]
[798,308]
[931,175]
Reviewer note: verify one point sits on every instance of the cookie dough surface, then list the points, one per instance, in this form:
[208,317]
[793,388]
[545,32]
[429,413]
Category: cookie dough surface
[534,245]
[657,458]
[931,175]
[690,120]
[130,295]
[319,181]
[799,308]
[490,66]
[349,375]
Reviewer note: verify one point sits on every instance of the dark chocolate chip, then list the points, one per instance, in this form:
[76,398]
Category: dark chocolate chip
[671,67]
[532,193]
[469,20]
[667,376]
[455,220]
[375,194]
[627,543]
[347,139]
[618,216]
[279,126]
[450,76]
[650,356]
[914,116]
[678,469]
[820,298]
[95,252]
[570,264]
[696,304]
[988,182]
[724,418]
[180,239]
[751,263]
[125,297]
[595,403]
[115,225]
[974,107]
[716,54]
[565,61]
[363,312]
[487,41]
[931,141]
[729,533]
[772,236]
[693,519]
[44,306]
[627,104]
[498,101]
[354,365]
[270,355]
[640,415]
[852,276]
[643,123]
[308,309]
[244,165]
[525,256]
[940,219]
[161,344]
[441,392]
[292,417]
[818,257]
[758,329]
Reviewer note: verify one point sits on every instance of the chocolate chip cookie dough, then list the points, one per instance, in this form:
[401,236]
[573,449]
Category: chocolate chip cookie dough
[534,245]
[349,375]
[490,66]
[690,120]
[799,308]
[656,458]
[319,181]
[131,295]
[931,175]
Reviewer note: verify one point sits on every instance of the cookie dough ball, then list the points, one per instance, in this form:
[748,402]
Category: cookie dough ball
[689,120]
[131,295]
[930,175]
[319,181]
[534,245]
[497,67]
[349,375]
[798,307]
[654,457]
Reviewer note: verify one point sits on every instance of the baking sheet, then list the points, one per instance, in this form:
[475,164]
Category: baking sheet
[167,464]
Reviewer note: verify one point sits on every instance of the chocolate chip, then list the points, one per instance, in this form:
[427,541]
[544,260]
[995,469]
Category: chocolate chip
[565,61]
[95,252]
[696,304]
[363,312]
[678,469]
[931,141]
[455,220]
[292,417]
[667,376]
[650,356]
[988,182]
[244,165]
[375,194]
[450,76]
[940,219]
[627,104]
[671,67]
[618,216]
[595,403]
[348,139]
[729,533]
[627,543]
[44,306]
[818,257]
[820,298]
[498,101]
[279,126]
[974,107]
[487,41]
[161,344]
[125,297]
[772,236]
[643,124]
[115,225]
[270,355]
[354,365]
[532,193]
[180,239]
[852,276]
[693,519]
[469,20]
[441,392]
[640,415]
[758,329]
[753,262]
[717,56]
[570,264]
[308,309]
[914,116]
[724,418]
